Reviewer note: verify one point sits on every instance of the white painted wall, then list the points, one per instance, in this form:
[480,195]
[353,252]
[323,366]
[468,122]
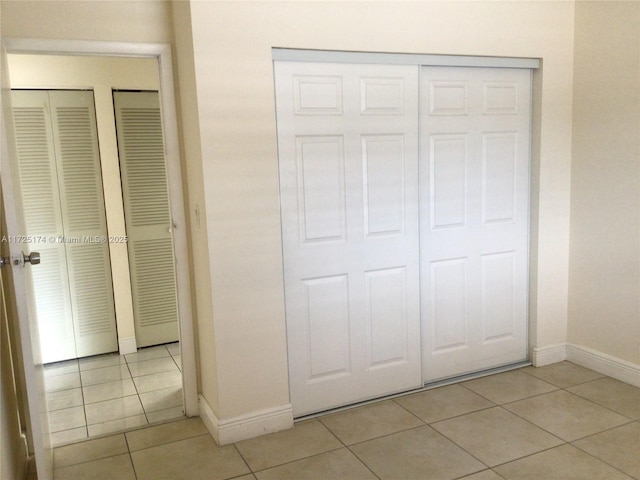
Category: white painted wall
[102,75]
[604,281]
[232,44]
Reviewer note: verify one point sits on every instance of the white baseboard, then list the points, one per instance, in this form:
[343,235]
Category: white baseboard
[606,364]
[541,356]
[127,345]
[247,426]
[586,357]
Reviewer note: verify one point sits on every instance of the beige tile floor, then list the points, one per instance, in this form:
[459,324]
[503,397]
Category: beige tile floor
[556,422]
[97,395]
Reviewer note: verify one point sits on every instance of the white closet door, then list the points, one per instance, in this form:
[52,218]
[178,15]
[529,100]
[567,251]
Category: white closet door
[147,216]
[84,220]
[474,185]
[347,142]
[43,221]
[63,199]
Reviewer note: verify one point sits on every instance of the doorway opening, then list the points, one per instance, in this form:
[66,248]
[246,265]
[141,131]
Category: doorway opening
[113,376]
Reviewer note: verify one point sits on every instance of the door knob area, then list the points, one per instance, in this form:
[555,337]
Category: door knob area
[33,258]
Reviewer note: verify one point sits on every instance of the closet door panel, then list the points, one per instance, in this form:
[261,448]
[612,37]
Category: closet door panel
[84,220]
[347,142]
[474,186]
[43,221]
[147,216]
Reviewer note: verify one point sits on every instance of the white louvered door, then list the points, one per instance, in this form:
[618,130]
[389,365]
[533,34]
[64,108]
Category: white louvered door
[61,181]
[43,222]
[147,216]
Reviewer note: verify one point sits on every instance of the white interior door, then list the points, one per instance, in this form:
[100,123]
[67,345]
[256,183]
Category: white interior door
[22,288]
[147,216]
[474,185]
[61,180]
[348,149]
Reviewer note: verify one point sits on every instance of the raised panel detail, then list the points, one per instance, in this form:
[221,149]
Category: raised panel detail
[499,177]
[381,96]
[448,179]
[383,171]
[499,98]
[448,304]
[448,98]
[386,314]
[498,295]
[321,188]
[327,312]
[317,95]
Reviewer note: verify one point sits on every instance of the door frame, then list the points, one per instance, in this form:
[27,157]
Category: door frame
[162,53]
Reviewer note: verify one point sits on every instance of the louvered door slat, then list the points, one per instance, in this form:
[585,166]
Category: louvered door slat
[147,215]
[43,221]
[83,212]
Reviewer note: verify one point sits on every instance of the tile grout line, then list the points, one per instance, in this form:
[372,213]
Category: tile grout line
[344,445]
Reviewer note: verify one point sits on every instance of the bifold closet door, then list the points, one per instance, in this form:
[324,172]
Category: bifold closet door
[61,183]
[348,150]
[474,185]
[147,216]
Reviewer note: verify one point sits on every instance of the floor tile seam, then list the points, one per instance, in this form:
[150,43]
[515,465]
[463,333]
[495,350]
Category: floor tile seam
[83,385]
[599,405]
[127,361]
[167,442]
[331,431]
[602,431]
[48,375]
[518,416]
[534,424]
[98,458]
[555,389]
[461,448]
[61,389]
[299,459]
[408,411]
[160,409]
[133,465]
[85,369]
[155,373]
[462,414]
[156,389]
[387,435]
[572,443]
[469,475]
[115,398]
[235,446]
[71,428]
[564,443]
[364,463]
[93,460]
[115,419]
